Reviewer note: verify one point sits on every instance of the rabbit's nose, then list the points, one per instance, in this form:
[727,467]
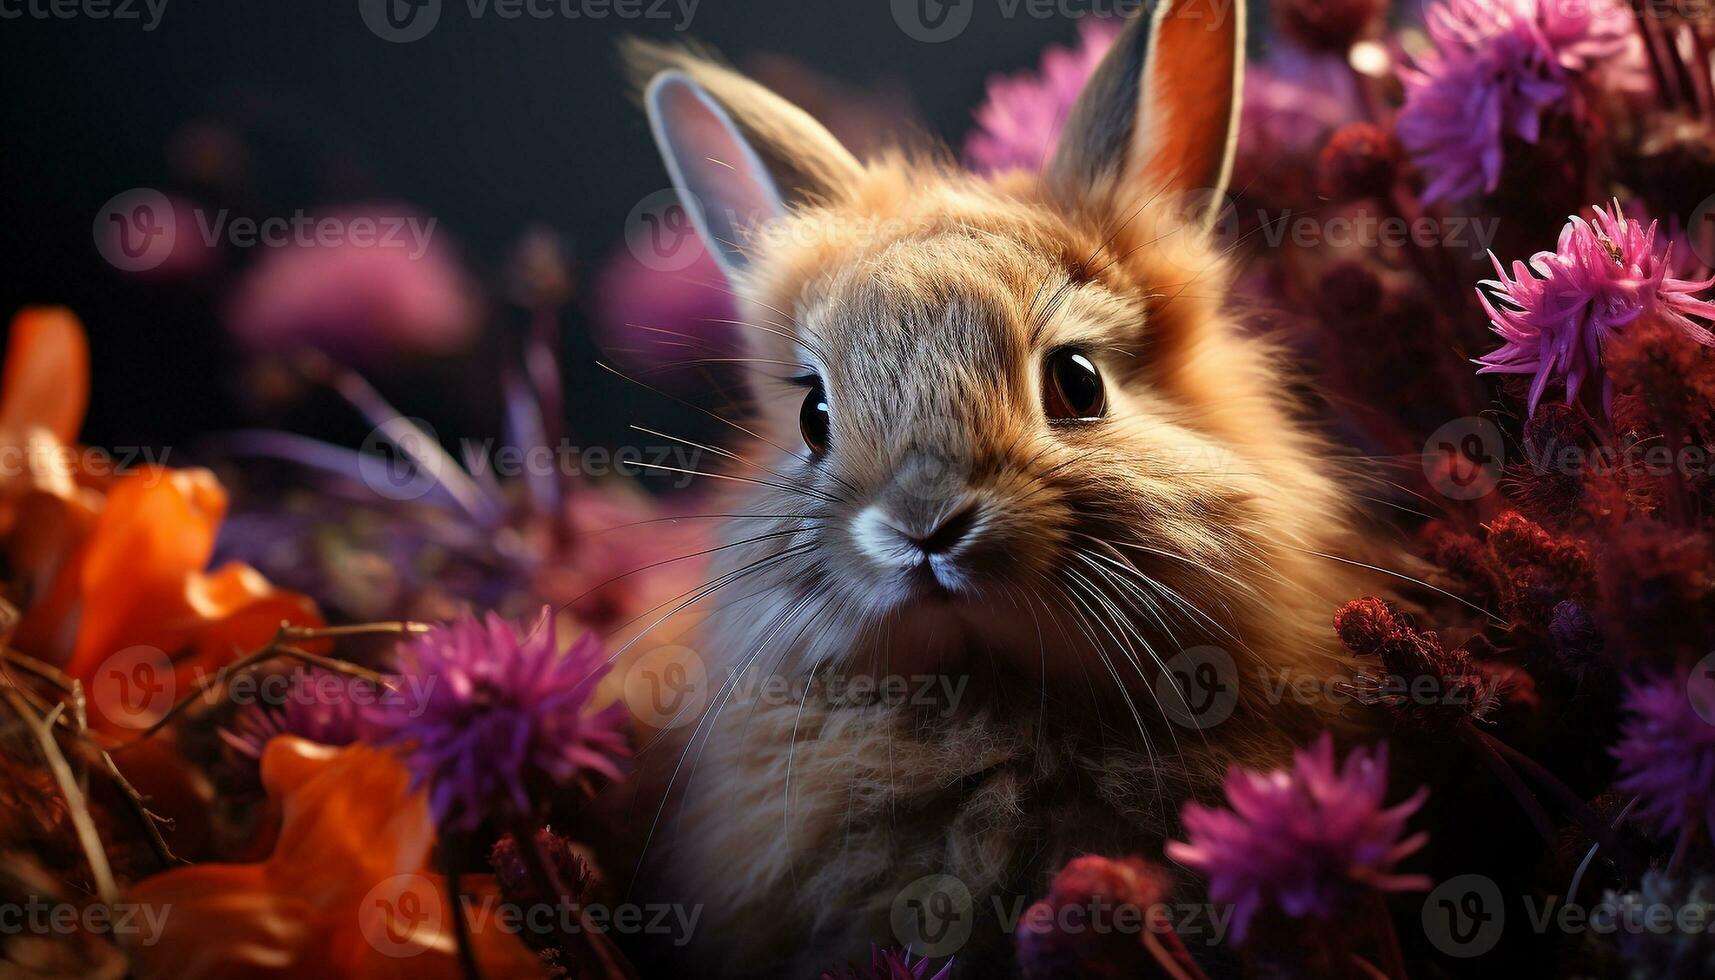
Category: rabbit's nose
[907,539]
[942,535]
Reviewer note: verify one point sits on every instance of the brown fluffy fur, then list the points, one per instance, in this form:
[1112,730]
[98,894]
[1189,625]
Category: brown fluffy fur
[926,299]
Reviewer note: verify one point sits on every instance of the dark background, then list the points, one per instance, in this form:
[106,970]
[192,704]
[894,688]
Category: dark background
[489,125]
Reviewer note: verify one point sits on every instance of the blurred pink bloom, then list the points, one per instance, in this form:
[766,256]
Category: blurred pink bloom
[1019,123]
[376,288]
[649,318]
[1554,314]
[1293,101]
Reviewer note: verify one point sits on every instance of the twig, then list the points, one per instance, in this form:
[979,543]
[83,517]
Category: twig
[276,647]
[305,633]
[1526,799]
[76,806]
[1392,956]
[455,908]
[1574,804]
[87,747]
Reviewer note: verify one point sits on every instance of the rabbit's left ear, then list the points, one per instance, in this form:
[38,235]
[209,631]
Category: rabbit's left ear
[1160,115]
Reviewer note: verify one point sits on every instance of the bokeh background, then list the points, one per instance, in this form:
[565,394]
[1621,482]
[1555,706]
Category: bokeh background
[493,127]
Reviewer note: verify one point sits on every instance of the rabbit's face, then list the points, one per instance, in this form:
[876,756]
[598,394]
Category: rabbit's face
[997,429]
[1003,418]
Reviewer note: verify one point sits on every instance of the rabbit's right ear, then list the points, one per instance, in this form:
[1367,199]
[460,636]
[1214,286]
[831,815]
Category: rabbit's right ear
[738,154]
[1160,114]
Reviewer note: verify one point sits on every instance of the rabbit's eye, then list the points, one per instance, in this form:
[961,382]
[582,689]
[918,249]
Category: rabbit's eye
[813,417]
[1072,387]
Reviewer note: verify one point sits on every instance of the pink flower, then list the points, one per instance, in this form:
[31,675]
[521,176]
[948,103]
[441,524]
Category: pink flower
[657,320]
[1499,66]
[1020,121]
[1555,313]
[362,294]
[1304,840]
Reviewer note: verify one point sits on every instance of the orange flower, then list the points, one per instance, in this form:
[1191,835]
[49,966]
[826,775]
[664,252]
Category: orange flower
[347,891]
[43,393]
[110,571]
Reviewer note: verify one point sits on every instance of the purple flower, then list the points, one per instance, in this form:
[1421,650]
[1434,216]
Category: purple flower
[1601,277]
[1020,121]
[1498,67]
[1304,840]
[1667,752]
[892,964]
[503,718]
[318,706]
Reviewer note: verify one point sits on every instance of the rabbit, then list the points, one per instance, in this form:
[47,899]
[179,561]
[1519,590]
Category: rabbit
[1004,434]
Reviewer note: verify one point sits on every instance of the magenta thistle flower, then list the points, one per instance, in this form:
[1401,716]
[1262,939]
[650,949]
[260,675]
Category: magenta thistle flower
[1305,840]
[1555,314]
[317,707]
[503,718]
[1667,753]
[1498,67]
[1020,121]
[892,964]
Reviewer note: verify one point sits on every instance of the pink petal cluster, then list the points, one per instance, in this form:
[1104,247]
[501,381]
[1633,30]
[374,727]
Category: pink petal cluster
[1020,121]
[1499,66]
[1554,314]
[1304,840]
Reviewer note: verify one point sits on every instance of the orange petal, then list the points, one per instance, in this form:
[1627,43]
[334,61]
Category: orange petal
[142,582]
[346,892]
[46,380]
